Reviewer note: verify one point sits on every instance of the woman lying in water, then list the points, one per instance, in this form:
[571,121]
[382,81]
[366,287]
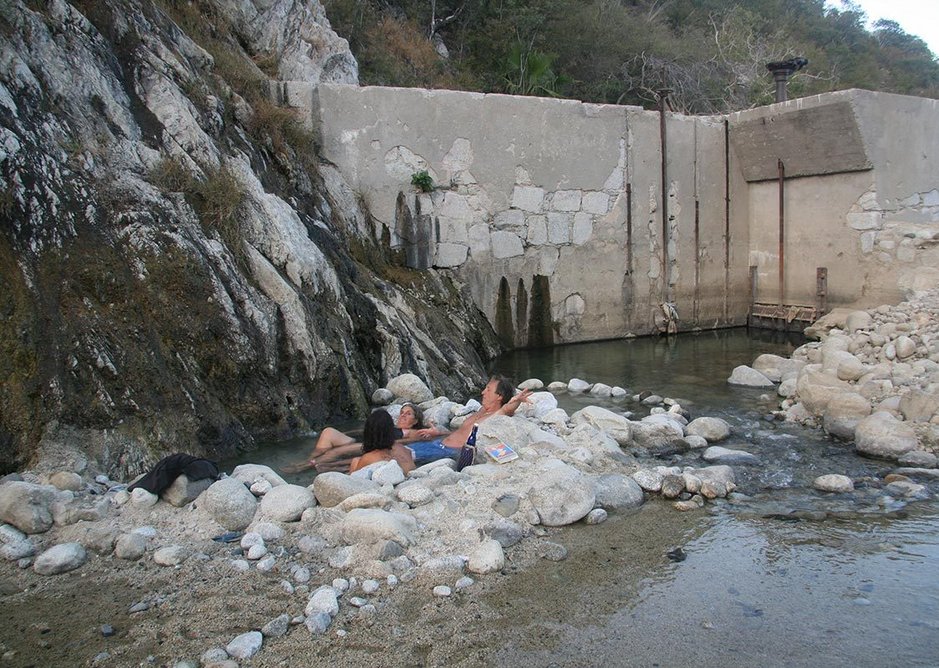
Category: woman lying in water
[334,450]
[379,444]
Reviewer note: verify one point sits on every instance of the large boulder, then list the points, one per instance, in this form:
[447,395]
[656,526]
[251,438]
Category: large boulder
[286,503]
[487,558]
[183,490]
[712,428]
[920,405]
[538,405]
[332,488]
[656,434]
[562,495]
[858,320]
[777,368]
[515,431]
[843,413]
[230,503]
[816,388]
[587,437]
[882,435]
[370,525]
[252,473]
[409,387]
[60,559]
[618,427]
[26,506]
[615,491]
[748,377]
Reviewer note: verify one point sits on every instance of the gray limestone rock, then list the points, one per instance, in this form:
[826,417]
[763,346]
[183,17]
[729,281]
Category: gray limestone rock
[919,405]
[749,377]
[26,506]
[615,491]
[245,646]
[488,557]
[382,397]
[506,505]
[843,413]
[368,525]
[833,482]
[171,555]
[324,600]
[330,489]
[718,455]
[882,435]
[251,473]
[615,426]
[415,495]
[506,533]
[277,627]
[409,387]
[183,490]
[230,503]
[130,546]
[562,496]
[918,459]
[712,428]
[649,479]
[67,480]
[596,516]
[60,559]
[286,503]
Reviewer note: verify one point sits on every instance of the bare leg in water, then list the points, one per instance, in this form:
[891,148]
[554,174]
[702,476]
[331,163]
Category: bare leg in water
[332,447]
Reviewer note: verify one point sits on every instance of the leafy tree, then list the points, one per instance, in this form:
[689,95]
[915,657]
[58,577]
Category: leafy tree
[712,53]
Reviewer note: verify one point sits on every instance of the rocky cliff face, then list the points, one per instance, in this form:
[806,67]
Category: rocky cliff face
[177,270]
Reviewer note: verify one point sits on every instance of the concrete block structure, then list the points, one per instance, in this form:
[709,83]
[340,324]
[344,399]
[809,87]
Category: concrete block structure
[568,222]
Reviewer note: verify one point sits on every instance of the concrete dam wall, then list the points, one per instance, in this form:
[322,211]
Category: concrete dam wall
[565,225]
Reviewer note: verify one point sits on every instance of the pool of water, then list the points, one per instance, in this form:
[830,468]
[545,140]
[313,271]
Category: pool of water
[782,575]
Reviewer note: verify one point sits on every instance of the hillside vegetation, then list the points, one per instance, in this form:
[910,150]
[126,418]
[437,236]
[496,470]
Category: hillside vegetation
[712,53]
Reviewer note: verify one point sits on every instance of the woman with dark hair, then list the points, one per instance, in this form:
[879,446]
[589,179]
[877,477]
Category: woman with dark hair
[335,450]
[378,444]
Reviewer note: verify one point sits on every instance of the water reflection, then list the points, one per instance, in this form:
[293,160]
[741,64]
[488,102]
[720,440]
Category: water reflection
[781,574]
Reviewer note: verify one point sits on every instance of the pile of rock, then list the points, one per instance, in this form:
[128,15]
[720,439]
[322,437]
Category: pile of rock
[345,541]
[873,378]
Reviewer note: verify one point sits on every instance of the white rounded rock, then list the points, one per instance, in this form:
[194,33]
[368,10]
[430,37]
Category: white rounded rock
[60,559]
[711,428]
[833,482]
[246,645]
[488,557]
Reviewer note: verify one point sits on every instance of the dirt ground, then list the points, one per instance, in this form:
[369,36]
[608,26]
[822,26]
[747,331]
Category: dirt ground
[204,603]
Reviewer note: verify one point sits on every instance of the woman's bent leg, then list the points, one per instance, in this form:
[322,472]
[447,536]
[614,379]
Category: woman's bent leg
[338,458]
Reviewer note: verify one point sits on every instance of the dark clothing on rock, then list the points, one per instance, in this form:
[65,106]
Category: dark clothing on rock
[169,468]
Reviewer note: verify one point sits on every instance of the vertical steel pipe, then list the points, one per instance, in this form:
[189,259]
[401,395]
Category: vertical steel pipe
[663,136]
[629,228]
[726,216]
[782,232]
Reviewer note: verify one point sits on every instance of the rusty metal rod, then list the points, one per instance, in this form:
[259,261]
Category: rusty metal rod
[663,135]
[726,215]
[697,259]
[629,228]
[782,232]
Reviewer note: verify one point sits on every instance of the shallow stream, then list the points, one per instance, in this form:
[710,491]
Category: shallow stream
[788,576]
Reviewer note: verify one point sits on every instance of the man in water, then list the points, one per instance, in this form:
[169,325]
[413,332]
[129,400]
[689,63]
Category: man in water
[497,399]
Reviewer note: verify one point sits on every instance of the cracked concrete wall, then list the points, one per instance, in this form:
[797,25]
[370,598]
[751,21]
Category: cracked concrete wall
[532,186]
[875,229]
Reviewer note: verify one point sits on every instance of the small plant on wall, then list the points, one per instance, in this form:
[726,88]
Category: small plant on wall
[422,181]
